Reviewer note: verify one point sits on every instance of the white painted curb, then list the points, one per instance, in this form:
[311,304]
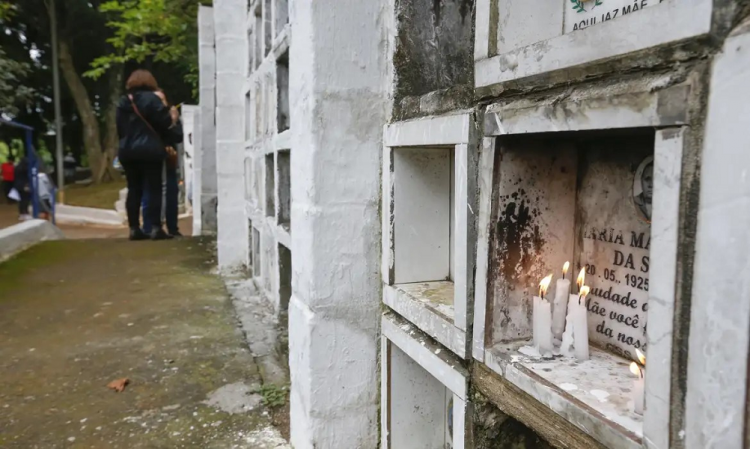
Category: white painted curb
[87,215]
[24,235]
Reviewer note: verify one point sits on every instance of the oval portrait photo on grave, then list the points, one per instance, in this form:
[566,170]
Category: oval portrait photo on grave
[643,188]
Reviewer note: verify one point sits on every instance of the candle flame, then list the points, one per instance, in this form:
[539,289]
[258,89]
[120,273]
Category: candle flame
[581,278]
[641,357]
[544,285]
[565,269]
[584,291]
[635,369]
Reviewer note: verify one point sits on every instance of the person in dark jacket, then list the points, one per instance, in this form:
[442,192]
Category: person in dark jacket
[170,190]
[22,184]
[145,127]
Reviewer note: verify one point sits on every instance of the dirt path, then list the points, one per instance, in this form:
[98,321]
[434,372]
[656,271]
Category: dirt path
[74,315]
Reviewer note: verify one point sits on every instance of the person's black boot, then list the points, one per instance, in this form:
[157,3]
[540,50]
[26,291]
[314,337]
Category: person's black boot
[137,234]
[176,234]
[159,234]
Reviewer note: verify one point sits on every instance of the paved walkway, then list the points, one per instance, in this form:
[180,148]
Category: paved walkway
[75,315]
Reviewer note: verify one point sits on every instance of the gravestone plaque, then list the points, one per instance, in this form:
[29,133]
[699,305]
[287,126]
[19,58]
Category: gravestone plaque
[581,14]
[613,228]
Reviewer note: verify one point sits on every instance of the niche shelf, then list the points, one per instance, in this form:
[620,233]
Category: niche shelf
[428,230]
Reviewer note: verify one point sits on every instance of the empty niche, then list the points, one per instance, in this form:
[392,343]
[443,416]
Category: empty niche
[282,85]
[255,241]
[423,196]
[285,192]
[251,246]
[270,191]
[583,198]
[282,14]
[285,277]
[258,34]
[267,26]
[249,125]
[420,409]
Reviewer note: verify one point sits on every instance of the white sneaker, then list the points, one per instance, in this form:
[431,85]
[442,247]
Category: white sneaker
[25,217]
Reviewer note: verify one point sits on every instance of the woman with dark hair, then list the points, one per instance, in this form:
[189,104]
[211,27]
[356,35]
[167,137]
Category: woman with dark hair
[146,128]
[171,190]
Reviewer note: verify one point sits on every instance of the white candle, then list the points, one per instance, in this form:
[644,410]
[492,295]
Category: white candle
[560,304]
[638,389]
[581,326]
[542,324]
[566,347]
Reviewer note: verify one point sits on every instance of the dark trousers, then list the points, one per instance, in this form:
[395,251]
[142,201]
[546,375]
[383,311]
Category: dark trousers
[171,199]
[142,175]
[23,205]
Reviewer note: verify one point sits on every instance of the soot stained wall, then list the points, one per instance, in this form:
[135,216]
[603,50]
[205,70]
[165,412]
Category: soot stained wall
[435,46]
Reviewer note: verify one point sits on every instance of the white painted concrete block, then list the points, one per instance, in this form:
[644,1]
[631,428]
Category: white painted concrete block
[19,237]
[333,394]
[720,317]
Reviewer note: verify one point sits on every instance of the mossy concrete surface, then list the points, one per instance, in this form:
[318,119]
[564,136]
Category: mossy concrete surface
[75,315]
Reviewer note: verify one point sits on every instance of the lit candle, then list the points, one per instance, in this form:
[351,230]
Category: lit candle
[638,384]
[566,348]
[542,325]
[560,304]
[581,326]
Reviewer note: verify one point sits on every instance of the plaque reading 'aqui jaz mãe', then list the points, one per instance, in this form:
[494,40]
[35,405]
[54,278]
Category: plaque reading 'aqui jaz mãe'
[581,14]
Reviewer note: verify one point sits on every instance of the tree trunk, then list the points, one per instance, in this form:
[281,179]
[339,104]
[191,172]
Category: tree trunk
[111,141]
[91,134]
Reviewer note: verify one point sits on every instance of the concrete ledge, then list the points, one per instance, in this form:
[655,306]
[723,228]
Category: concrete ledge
[24,235]
[87,215]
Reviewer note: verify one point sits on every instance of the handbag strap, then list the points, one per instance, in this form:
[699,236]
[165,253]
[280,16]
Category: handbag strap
[138,113]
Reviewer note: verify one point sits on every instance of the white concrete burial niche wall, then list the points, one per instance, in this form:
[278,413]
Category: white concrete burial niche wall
[598,187]
[429,167]
[518,38]
[249,179]
[420,410]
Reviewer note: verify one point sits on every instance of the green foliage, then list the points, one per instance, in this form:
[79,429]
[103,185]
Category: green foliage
[13,94]
[273,395]
[161,30]
[4,152]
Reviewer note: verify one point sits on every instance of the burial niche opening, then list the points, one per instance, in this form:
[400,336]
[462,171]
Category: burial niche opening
[421,408]
[583,198]
[285,190]
[270,189]
[282,100]
[424,225]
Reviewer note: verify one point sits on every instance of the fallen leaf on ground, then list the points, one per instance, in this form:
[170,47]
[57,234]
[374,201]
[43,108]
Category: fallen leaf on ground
[118,384]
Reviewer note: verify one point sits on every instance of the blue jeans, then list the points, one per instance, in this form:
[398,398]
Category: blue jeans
[170,203]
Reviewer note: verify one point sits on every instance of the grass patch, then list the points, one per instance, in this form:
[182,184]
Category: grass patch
[101,196]
[273,395]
